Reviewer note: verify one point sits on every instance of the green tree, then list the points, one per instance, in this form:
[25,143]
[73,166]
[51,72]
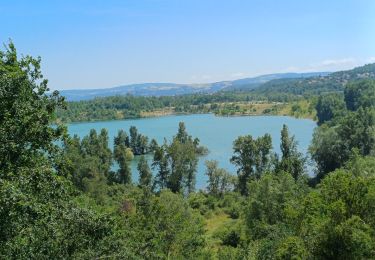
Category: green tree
[329,106]
[325,150]
[134,139]
[268,200]
[138,142]
[292,247]
[337,219]
[27,112]
[122,138]
[145,175]
[176,154]
[142,144]
[360,94]
[165,227]
[292,161]
[332,147]
[153,145]
[103,152]
[88,162]
[252,157]
[183,157]
[286,220]
[38,217]
[182,136]
[357,130]
[219,180]
[176,163]
[123,155]
[161,165]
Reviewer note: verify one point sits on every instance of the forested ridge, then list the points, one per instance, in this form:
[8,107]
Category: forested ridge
[333,82]
[60,198]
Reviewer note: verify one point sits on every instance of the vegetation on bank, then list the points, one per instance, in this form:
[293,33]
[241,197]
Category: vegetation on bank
[64,202]
[86,111]
[127,107]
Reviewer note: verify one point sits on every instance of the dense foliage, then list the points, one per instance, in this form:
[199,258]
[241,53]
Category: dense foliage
[38,215]
[334,82]
[62,197]
[345,130]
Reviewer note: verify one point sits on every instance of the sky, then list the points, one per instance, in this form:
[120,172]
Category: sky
[98,44]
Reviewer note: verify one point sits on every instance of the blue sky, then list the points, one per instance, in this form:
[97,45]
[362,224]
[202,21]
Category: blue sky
[97,44]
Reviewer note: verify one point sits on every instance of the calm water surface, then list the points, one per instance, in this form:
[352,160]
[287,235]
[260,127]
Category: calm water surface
[216,133]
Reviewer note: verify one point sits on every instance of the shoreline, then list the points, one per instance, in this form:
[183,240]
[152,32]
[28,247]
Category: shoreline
[184,114]
[225,109]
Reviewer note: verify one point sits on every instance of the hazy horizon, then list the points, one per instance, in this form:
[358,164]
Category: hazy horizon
[197,84]
[104,44]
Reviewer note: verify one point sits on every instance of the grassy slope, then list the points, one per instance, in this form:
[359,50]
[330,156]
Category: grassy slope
[214,224]
[299,109]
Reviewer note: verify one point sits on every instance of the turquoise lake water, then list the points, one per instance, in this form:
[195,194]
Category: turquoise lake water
[216,133]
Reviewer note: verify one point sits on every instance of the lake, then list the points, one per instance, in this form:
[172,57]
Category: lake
[216,133]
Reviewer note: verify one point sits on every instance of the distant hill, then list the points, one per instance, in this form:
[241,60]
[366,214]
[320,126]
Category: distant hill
[253,83]
[317,84]
[172,89]
[282,83]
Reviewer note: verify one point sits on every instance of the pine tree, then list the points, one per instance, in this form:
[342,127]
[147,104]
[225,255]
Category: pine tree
[133,139]
[122,138]
[160,163]
[123,155]
[182,136]
[292,161]
[145,175]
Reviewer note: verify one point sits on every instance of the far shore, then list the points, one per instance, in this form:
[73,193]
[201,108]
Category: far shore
[184,113]
[299,109]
